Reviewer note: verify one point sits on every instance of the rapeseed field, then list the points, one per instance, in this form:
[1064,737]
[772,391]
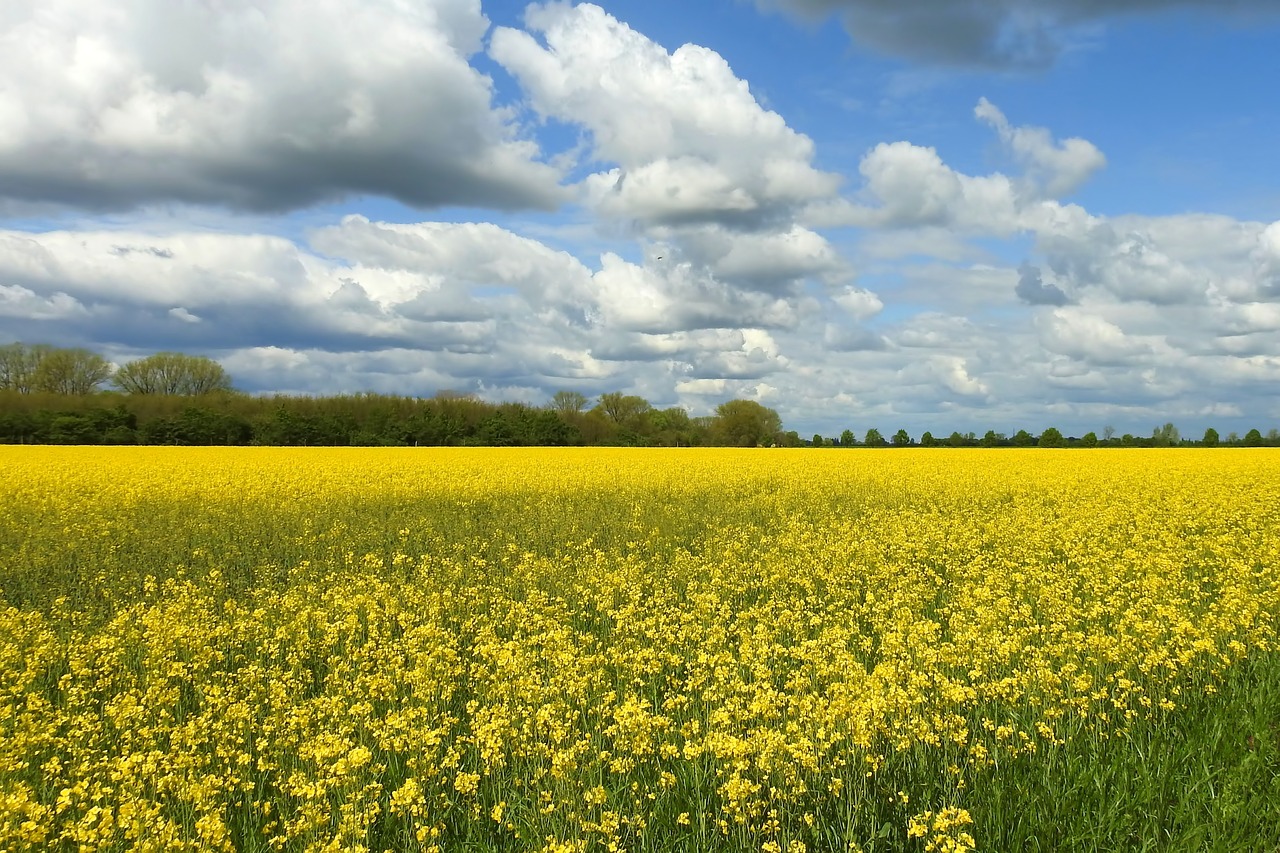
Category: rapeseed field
[685,650]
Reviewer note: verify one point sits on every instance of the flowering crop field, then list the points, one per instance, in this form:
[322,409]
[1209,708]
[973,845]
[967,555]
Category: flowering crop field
[643,650]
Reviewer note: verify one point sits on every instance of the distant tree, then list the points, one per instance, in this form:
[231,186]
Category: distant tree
[1051,437]
[955,440]
[874,438]
[568,402]
[745,423]
[1272,438]
[172,374]
[901,439]
[623,410]
[71,372]
[927,440]
[1165,436]
[1233,438]
[818,441]
[791,438]
[1127,440]
[1022,438]
[1089,439]
[848,439]
[19,364]
[1108,433]
[1253,438]
[992,439]
[1210,438]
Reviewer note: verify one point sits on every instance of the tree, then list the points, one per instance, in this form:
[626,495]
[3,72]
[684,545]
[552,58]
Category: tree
[19,363]
[1022,438]
[992,439]
[1089,439]
[927,440]
[1108,433]
[568,402]
[71,372]
[1253,438]
[1210,438]
[848,439]
[1165,436]
[745,423]
[874,438]
[955,439]
[818,440]
[901,439]
[1052,438]
[172,374]
[625,410]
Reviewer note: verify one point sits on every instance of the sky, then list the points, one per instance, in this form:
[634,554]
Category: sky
[937,215]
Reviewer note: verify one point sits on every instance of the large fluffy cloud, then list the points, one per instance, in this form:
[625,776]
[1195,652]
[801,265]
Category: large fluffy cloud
[999,33]
[267,105]
[688,140]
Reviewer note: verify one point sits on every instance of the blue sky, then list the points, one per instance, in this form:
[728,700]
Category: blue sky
[934,215]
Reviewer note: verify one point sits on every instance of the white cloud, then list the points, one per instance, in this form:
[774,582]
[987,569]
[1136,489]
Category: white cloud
[264,105]
[690,142]
[679,297]
[1055,168]
[858,303]
[1089,338]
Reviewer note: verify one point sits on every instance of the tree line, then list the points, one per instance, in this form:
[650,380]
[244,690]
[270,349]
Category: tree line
[1166,435]
[51,395]
[73,396]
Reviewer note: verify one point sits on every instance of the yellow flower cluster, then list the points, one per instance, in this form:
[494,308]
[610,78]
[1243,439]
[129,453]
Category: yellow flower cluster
[592,649]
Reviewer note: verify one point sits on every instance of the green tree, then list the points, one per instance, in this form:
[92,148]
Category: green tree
[1022,438]
[1052,438]
[818,441]
[791,438]
[1253,438]
[955,440]
[71,372]
[927,440]
[1165,436]
[1089,439]
[172,374]
[1210,438]
[568,402]
[19,364]
[901,439]
[745,423]
[992,439]
[625,410]
[874,438]
[848,439]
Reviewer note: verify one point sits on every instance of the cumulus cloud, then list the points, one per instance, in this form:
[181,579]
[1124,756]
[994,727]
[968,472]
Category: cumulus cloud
[690,142]
[910,187]
[677,298]
[267,106]
[1055,168]
[992,33]
[1089,338]
[476,302]
[1033,290]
